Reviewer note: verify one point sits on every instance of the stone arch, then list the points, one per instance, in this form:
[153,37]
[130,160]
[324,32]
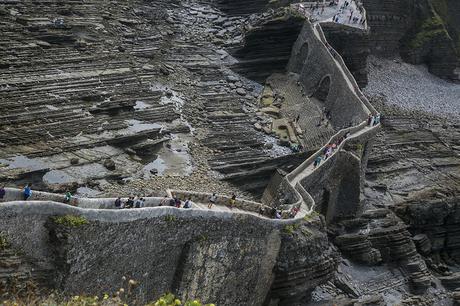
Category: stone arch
[324,208]
[302,57]
[322,91]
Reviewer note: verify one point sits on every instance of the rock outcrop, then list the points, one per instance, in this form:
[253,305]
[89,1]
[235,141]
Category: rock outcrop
[267,45]
[416,31]
[353,45]
[306,260]
[226,258]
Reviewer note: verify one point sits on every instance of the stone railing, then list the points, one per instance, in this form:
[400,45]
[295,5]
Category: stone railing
[338,58]
[333,139]
[301,198]
[297,175]
[203,197]
[14,195]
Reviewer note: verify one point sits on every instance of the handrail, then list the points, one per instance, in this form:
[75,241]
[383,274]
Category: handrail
[305,201]
[292,177]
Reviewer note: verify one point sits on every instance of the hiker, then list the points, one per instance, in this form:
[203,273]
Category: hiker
[377,119]
[294,211]
[129,203]
[138,203]
[177,202]
[118,203]
[232,201]
[277,215]
[328,153]
[318,160]
[188,203]
[172,202]
[369,120]
[163,201]
[27,192]
[261,210]
[2,193]
[212,200]
[67,197]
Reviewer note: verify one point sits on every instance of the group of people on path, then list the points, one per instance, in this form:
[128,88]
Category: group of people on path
[175,201]
[373,120]
[131,202]
[353,16]
[329,150]
[27,192]
[139,202]
[278,214]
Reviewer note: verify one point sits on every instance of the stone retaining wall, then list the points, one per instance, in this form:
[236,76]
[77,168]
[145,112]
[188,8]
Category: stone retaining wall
[13,194]
[342,101]
[222,257]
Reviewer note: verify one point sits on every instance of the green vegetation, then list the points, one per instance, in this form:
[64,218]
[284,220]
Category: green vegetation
[106,300]
[70,220]
[430,28]
[170,300]
[291,228]
[170,218]
[203,238]
[3,243]
[306,232]
[442,8]
[311,216]
[359,148]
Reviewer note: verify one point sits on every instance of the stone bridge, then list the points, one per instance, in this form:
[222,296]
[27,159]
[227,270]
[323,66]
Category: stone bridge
[228,256]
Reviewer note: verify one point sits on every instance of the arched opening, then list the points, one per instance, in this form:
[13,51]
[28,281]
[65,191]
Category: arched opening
[322,91]
[302,56]
[325,202]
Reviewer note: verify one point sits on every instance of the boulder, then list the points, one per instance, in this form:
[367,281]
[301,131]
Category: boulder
[109,164]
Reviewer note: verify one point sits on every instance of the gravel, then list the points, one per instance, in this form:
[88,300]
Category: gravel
[412,87]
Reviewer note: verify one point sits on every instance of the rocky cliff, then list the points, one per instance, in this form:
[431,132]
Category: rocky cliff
[353,45]
[415,30]
[226,258]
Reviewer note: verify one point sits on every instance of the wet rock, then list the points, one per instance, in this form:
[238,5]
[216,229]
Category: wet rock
[422,243]
[232,79]
[148,67]
[456,298]
[109,164]
[241,91]
[154,171]
[164,71]
[451,282]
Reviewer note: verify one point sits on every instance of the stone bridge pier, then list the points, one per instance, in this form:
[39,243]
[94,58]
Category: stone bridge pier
[336,185]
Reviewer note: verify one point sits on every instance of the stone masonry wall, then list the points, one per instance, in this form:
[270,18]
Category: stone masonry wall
[318,64]
[353,45]
[335,186]
[220,257]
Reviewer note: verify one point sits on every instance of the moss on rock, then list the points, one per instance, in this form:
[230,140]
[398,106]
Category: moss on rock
[4,244]
[70,220]
[431,28]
